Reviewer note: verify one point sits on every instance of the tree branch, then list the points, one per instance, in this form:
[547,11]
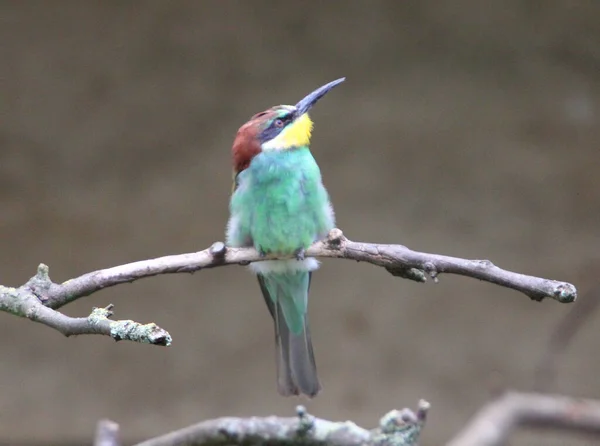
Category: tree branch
[37,299]
[399,428]
[495,422]
[107,434]
[397,259]
[491,426]
[22,302]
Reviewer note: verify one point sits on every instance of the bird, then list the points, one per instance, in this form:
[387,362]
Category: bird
[280,207]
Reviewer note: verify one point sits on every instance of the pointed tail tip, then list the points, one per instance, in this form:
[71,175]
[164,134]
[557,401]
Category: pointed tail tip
[312,389]
[313,393]
[289,391]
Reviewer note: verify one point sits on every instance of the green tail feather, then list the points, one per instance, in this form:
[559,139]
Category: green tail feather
[286,296]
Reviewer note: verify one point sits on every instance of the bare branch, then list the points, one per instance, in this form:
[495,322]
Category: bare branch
[400,428]
[397,259]
[107,434]
[21,302]
[494,423]
[38,298]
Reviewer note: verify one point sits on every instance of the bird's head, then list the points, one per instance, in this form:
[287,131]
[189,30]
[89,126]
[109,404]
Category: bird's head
[281,127]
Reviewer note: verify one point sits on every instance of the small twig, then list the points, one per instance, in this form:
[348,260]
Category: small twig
[397,259]
[497,420]
[398,428]
[21,302]
[107,434]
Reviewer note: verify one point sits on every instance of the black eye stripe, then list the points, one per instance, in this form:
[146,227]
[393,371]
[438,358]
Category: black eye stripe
[274,129]
[284,119]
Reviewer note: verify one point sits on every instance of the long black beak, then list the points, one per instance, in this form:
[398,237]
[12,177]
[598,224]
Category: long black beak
[311,99]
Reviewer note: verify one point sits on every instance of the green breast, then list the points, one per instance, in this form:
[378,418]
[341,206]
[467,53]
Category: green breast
[281,202]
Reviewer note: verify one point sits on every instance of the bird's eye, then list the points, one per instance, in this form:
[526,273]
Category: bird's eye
[278,123]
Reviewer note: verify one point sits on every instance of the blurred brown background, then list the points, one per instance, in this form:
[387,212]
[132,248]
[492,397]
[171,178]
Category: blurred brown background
[468,128]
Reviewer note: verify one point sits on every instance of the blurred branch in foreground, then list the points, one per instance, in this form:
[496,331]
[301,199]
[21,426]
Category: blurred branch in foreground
[491,426]
[498,419]
[107,434]
[39,298]
[398,428]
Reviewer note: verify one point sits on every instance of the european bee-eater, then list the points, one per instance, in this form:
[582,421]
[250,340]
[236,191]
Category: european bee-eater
[280,206]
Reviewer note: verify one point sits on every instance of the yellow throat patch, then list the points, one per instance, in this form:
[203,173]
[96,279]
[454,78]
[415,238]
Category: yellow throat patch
[296,134]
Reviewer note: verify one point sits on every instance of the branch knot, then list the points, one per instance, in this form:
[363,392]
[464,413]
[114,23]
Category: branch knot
[335,238]
[305,421]
[218,251]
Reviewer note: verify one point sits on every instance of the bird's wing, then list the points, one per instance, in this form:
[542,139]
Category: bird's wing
[235,181]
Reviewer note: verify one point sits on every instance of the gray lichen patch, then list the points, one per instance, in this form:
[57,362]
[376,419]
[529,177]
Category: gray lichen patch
[398,428]
[43,272]
[145,333]
[99,314]
[328,431]
[128,330]
[10,300]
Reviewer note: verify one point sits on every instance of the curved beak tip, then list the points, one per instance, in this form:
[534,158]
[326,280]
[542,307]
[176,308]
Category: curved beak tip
[312,98]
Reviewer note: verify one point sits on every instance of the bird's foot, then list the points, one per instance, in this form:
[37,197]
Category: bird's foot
[299,254]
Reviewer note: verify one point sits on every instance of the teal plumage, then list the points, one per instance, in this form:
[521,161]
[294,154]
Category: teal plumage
[281,203]
[280,206]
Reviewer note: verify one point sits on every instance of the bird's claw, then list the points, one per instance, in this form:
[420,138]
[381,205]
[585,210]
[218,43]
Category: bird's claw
[299,254]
